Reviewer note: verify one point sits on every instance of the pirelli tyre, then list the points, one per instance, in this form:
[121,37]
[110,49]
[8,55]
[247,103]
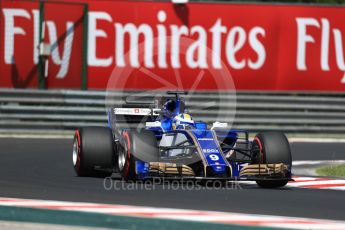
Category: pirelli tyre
[136,145]
[273,148]
[93,152]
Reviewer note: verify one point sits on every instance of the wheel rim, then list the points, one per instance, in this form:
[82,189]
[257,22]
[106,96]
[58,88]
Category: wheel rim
[75,152]
[122,158]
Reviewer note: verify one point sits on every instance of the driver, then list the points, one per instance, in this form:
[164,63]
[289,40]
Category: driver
[183,121]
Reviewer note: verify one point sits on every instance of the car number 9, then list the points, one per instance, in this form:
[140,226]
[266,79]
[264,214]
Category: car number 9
[214,157]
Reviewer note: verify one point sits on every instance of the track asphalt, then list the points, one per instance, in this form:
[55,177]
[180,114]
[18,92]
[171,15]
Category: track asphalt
[42,169]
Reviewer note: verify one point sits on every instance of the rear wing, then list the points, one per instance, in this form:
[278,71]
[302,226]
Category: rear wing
[121,118]
[137,110]
[134,113]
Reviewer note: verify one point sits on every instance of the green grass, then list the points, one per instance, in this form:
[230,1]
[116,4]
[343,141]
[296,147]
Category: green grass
[335,170]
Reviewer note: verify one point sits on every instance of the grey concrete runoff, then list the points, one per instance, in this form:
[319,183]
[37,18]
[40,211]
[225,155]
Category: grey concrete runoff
[14,225]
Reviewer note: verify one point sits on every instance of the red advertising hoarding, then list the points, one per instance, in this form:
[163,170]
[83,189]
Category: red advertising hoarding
[18,62]
[153,44]
[64,31]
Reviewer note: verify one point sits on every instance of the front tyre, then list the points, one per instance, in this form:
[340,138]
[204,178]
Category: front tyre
[273,148]
[136,146]
[93,152]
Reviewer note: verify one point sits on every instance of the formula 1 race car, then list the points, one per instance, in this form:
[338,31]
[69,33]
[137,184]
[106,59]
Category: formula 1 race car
[170,144]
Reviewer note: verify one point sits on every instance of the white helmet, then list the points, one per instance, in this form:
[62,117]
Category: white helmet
[183,121]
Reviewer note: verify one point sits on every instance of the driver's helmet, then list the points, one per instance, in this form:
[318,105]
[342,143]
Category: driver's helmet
[183,121]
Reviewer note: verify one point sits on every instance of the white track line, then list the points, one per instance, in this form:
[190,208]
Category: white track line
[317,162]
[316,140]
[310,183]
[337,188]
[316,183]
[300,178]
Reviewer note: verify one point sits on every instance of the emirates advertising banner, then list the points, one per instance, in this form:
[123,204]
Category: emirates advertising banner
[150,45]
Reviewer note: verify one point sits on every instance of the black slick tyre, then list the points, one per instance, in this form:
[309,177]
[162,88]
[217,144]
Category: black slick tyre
[93,152]
[136,146]
[274,148]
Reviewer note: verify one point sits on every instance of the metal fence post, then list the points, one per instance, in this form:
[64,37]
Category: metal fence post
[85,47]
[41,79]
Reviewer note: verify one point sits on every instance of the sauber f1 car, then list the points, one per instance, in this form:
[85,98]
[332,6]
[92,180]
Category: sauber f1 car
[170,144]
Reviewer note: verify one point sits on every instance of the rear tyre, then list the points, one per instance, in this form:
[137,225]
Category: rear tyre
[93,148]
[273,148]
[134,146]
